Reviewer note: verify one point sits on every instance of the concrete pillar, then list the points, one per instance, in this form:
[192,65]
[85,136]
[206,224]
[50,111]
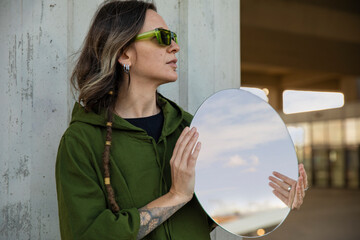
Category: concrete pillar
[37,38]
[276,97]
[209,59]
[209,38]
[213,48]
[350,87]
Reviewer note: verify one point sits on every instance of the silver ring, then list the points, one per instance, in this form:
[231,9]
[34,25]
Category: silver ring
[289,188]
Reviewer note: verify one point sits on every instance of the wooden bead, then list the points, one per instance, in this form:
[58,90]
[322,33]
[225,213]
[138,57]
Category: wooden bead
[107,180]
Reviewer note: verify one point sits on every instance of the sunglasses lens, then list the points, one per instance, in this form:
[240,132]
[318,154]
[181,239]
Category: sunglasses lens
[165,37]
[174,37]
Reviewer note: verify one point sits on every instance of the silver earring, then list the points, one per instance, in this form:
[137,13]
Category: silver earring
[126,68]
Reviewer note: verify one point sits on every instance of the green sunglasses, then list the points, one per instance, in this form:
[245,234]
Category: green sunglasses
[163,36]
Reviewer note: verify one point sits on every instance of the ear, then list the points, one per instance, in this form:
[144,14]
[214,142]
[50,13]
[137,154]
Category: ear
[126,57]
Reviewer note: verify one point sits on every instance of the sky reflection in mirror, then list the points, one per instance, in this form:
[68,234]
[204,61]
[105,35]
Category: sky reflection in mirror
[243,141]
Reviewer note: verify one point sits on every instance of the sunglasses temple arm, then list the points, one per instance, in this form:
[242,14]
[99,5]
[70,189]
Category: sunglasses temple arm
[145,35]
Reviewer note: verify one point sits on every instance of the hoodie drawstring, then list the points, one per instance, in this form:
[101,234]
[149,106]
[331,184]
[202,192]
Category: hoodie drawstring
[160,166]
[162,170]
[164,159]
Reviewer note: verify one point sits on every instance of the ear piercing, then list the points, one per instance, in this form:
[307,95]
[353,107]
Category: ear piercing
[126,68]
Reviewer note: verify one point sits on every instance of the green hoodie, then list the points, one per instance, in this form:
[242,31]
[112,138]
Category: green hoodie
[140,173]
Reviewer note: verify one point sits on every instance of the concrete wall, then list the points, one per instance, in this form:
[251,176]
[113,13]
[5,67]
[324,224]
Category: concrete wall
[33,94]
[37,37]
[209,37]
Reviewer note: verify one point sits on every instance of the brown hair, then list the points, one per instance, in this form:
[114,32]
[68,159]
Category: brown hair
[98,74]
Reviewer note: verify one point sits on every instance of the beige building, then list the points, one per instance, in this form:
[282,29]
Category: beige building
[309,45]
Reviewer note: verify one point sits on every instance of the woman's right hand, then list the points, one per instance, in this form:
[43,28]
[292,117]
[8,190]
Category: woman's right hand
[183,163]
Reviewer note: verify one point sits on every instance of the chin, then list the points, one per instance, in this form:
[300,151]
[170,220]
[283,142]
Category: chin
[175,74]
[171,78]
[167,77]
[174,78]
[168,81]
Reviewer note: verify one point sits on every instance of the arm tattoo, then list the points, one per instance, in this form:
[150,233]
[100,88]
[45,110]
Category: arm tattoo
[150,218]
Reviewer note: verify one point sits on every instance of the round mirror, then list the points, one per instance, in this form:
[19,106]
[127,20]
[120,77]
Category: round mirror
[243,142]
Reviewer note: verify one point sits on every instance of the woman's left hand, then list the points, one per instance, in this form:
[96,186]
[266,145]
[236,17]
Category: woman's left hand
[288,190]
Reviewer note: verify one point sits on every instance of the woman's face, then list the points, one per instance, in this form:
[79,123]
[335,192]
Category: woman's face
[148,59]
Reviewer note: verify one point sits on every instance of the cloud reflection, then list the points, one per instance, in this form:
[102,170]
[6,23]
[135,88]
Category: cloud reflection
[250,163]
[240,128]
[236,161]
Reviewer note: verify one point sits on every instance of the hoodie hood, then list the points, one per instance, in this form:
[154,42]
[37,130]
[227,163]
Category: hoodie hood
[173,116]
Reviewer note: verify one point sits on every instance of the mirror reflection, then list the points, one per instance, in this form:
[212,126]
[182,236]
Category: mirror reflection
[243,142]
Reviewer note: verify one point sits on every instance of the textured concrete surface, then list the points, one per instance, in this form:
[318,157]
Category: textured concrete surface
[327,214]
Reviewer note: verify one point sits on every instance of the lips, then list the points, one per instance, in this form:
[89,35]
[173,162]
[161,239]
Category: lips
[172,63]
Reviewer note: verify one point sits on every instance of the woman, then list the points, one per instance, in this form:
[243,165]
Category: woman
[125,167]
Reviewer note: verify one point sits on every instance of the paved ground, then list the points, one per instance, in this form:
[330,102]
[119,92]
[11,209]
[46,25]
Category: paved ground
[327,214]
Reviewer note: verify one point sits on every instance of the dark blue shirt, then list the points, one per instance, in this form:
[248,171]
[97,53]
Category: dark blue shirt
[152,124]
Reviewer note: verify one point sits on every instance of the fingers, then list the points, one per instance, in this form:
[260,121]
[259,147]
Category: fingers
[301,188]
[181,144]
[300,194]
[298,201]
[281,197]
[188,149]
[300,185]
[181,137]
[286,179]
[279,189]
[183,163]
[185,141]
[282,184]
[304,175]
[194,156]
[294,198]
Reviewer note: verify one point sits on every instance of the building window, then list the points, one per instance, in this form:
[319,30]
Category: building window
[305,101]
[261,93]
